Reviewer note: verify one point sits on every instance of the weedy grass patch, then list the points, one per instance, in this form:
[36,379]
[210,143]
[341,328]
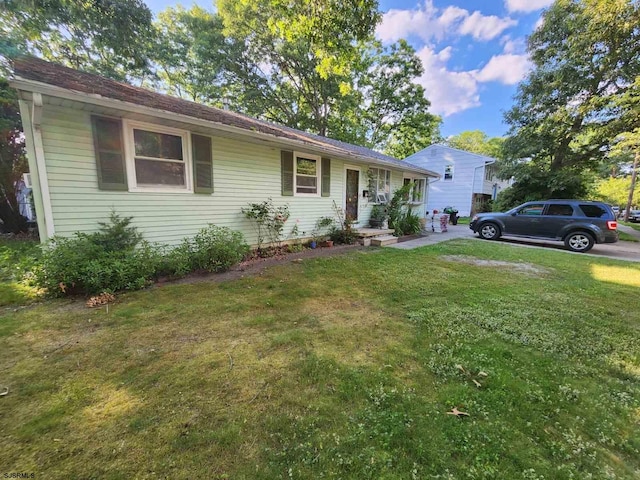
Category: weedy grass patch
[16,257]
[339,367]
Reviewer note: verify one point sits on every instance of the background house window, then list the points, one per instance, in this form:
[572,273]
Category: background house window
[159,158]
[307,173]
[380,184]
[448,172]
[488,172]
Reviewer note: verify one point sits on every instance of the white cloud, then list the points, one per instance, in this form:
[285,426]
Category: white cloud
[506,68]
[455,91]
[526,5]
[511,45]
[431,23]
[449,91]
[485,27]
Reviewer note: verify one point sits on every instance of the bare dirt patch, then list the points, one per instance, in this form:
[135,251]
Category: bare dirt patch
[525,268]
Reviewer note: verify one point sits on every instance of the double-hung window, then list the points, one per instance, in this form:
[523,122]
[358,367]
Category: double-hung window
[448,172]
[380,184]
[158,158]
[306,174]
[417,191]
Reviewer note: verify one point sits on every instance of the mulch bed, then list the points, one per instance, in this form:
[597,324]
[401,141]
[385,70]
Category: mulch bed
[256,265]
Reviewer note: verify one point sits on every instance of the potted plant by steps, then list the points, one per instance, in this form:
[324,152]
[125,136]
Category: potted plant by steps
[319,233]
[378,216]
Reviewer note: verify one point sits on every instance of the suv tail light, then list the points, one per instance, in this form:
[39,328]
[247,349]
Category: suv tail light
[612,225]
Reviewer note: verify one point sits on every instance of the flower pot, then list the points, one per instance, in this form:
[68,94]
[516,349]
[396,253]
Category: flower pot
[313,244]
[375,223]
[327,243]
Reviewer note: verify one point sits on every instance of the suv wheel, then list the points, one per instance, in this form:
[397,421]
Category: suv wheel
[579,242]
[489,231]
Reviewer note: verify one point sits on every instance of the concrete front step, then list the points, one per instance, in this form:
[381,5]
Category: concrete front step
[383,240]
[372,232]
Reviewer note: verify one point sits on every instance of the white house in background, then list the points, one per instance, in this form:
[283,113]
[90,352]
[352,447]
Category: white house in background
[467,180]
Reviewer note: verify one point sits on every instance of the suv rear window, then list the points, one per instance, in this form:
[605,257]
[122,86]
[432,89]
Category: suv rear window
[557,209]
[594,211]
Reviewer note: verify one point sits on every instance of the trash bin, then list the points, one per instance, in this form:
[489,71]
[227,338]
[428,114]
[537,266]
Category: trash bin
[453,215]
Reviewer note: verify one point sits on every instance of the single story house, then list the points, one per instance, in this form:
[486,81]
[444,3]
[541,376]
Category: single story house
[96,145]
[467,180]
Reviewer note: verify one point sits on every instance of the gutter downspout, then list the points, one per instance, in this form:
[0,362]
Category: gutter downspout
[32,118]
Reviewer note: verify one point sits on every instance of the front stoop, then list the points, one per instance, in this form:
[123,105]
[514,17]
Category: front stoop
[383,240]
[373,232]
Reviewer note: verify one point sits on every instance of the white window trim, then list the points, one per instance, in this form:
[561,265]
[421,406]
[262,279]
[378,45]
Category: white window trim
[318,174]
[374,195]
[129,126]
[422,193]
[453,172]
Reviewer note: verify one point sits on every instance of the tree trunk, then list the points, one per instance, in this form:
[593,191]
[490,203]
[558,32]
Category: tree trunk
[634,174]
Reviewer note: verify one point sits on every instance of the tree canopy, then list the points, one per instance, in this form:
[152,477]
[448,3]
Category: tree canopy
[477,141]
[586,60]
[109,37]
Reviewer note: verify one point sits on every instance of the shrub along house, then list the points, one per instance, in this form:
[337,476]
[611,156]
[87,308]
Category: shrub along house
[96,145]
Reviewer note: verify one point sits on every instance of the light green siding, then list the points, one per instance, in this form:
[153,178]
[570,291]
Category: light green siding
[243,172]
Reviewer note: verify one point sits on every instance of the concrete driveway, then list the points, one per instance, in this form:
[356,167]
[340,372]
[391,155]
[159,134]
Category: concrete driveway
[629,251]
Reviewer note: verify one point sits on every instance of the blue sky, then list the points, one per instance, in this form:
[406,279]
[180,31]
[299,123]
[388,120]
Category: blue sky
[473,52]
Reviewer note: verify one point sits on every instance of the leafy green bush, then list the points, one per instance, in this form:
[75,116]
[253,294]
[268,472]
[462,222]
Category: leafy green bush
[117,235]
[213,249]
[116,258]
[78,265]
[408,223]
[342,231]
[268,221]
[216,249]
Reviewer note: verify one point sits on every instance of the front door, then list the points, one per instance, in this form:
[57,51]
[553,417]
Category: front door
[351,201]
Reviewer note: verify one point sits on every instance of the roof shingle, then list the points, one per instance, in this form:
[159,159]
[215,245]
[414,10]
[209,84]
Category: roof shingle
[35,69]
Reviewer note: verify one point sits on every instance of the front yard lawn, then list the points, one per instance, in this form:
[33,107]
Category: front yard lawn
[338,367]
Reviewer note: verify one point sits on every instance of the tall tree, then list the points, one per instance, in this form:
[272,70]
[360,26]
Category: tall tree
[586,54]
[12,159]
[192,55]
[316,66]
[109,37]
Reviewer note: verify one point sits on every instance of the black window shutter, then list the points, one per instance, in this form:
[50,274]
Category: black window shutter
[326,177]
[109,148]
[286,167]
[202,164]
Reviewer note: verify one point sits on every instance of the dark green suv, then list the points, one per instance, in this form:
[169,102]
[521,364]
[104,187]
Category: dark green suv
[578,223]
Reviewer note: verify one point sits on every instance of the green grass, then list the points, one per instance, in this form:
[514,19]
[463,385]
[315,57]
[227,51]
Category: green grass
[635,226]
[16,257]
[340,367]
[625,237]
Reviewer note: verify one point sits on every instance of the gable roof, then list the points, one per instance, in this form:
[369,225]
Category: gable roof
[31,72]
[488,160]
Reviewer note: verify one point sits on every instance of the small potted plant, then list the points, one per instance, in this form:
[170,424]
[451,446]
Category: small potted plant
[319,233]
[378,216]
